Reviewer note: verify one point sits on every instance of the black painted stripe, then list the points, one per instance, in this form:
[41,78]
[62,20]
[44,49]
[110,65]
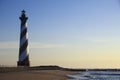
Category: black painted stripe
[23,26]
[23,33]
[23,22]
[26,59]
[23,47]
[25,62]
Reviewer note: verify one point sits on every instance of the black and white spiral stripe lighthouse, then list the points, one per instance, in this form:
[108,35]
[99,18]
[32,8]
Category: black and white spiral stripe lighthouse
[23,49]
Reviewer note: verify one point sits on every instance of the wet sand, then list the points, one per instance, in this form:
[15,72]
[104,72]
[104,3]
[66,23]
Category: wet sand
[36,75]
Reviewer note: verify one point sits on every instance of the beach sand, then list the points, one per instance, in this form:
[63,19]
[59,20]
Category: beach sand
[36,75]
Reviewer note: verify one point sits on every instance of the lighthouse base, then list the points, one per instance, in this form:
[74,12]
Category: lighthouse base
[23,63]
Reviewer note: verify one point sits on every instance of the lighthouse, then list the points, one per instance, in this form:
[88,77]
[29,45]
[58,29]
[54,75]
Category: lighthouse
[23,46]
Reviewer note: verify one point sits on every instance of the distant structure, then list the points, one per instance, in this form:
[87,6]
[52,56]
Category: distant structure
[23,49]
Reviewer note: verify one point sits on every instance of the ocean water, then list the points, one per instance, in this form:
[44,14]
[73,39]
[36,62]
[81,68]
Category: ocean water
[95,75]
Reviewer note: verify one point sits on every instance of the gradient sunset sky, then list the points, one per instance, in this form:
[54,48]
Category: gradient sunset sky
[68,33]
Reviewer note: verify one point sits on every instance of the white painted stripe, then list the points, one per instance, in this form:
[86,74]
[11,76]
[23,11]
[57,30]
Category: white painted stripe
[23,55]
[24,38]
[27,49]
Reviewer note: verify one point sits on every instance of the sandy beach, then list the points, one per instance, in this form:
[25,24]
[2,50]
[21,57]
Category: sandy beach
[36,75]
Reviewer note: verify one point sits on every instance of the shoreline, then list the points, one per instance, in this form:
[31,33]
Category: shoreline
[37,75]
[43,73]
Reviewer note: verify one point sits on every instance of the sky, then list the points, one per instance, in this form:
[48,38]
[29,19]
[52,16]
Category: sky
[68,33]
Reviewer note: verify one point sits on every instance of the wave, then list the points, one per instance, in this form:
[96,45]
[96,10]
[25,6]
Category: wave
[95,75]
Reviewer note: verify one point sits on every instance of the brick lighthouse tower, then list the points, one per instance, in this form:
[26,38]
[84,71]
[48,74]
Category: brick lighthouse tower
[23,47]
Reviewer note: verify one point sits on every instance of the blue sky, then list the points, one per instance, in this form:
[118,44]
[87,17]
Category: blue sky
[69,33]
